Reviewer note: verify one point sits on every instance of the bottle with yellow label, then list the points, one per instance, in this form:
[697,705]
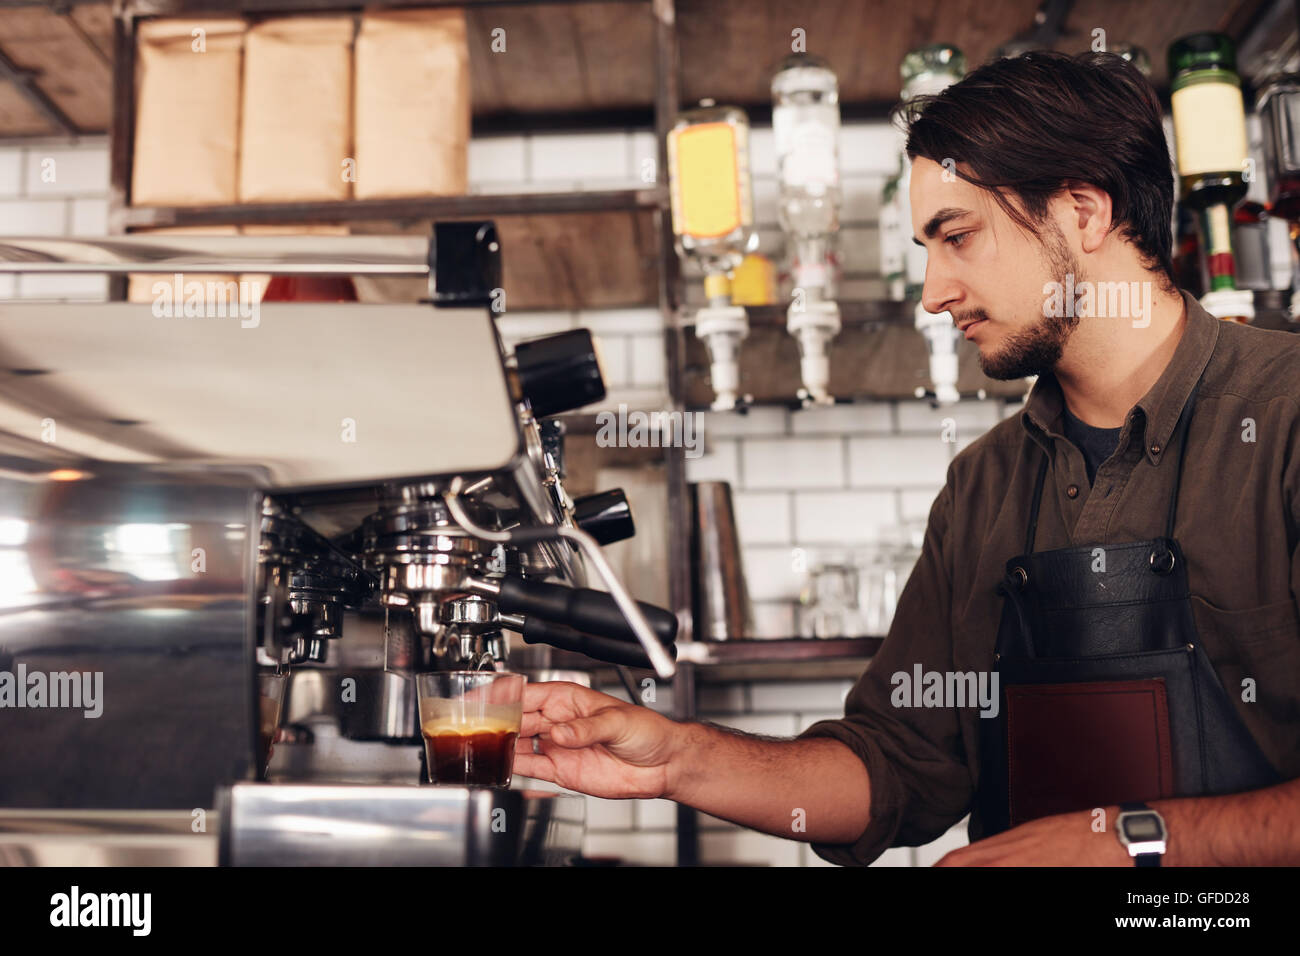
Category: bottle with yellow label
[712,198]
[713,223]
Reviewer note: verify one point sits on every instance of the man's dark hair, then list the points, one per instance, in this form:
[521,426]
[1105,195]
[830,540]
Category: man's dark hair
[1032,123]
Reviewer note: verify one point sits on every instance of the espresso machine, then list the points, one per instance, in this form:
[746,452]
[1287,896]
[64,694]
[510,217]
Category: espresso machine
[232,538]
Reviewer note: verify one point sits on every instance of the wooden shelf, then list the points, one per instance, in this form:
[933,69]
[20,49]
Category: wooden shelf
[562,251]
[786,650]
[476,206]
[722,662]
[878,355]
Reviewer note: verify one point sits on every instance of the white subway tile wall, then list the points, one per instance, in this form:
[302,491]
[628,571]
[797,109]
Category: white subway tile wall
[54,189]
[815,478]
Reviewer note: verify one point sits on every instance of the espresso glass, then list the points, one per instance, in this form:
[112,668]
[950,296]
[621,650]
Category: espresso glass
[270,705]
[470,721]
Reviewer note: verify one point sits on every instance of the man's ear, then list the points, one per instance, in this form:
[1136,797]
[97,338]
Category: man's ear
[1090,210]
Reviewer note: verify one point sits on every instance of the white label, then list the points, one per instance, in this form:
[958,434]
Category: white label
[806,145]
[1209,129]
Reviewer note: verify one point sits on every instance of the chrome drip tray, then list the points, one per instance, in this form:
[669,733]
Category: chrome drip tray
[369,825]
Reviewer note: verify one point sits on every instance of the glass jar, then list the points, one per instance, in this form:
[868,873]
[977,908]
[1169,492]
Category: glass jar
[830,599]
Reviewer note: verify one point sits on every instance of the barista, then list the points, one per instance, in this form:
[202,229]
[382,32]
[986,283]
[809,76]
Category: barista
[1118,560]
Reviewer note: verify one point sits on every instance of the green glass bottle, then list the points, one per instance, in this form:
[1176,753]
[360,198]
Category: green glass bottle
[1209,120]
[1210,143]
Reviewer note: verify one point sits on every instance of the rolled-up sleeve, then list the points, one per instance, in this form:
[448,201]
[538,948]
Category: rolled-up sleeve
[920,783]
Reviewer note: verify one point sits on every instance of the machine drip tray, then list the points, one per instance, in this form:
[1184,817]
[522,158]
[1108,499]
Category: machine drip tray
[268,824]
[374,825]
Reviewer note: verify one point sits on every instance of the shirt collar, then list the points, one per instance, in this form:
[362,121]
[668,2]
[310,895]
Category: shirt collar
[1158,409]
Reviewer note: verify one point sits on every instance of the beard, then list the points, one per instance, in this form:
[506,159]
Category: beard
[1036,348]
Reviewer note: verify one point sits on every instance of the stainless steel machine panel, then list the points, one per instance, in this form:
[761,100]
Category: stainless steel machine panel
[296,392]
[342,825]
[126,636]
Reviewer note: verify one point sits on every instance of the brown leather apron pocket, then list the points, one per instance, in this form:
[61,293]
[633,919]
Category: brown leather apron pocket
[1081,745]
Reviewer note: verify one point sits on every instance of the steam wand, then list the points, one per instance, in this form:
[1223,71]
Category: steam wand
[663,665]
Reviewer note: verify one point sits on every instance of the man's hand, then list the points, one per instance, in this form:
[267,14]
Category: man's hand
[596,744]
[1066,839]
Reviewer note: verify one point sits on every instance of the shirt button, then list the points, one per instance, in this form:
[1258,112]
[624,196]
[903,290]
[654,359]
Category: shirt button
[1072,491]
[1155,449]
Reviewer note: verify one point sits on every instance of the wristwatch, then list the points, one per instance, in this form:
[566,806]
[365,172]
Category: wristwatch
[1143,832]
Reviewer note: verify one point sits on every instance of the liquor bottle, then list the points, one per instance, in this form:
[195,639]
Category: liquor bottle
[713,224]
[1279,117]
[1210,142]
[1187,252]
[806,130]
[926,71]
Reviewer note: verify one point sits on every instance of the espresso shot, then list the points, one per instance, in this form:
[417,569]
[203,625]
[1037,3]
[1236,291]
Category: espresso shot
[470,756]
[470,721]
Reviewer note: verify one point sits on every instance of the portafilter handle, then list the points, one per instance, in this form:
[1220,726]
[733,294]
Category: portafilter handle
[664,665]
[584,609]
[609,650]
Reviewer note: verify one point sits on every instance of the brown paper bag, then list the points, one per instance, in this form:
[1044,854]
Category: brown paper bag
[295,142]
[187,112]
[412,104]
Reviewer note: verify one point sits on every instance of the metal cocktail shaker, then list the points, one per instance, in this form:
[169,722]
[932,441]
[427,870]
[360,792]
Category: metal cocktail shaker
[722,608]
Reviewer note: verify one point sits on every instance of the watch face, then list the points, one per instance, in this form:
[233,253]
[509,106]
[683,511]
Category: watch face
[1142,828]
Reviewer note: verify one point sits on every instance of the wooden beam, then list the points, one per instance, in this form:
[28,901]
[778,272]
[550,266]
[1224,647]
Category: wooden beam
[86,38]
[121,144]
[25,81]
[152,8]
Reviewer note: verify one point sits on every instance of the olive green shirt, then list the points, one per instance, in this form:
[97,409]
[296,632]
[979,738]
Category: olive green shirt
[1238,510]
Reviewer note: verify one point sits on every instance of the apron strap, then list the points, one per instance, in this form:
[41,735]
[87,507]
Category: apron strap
[1035,501]
[1184,422]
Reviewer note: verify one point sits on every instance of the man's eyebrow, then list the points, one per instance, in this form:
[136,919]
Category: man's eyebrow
[947,214]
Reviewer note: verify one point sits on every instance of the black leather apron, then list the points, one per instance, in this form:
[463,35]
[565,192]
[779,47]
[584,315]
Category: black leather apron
[1105,693]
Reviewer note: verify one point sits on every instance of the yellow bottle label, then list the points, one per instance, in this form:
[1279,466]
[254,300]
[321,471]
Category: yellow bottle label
[1209,129]
[707,180]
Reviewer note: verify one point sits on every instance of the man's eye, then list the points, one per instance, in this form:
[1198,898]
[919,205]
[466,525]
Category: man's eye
[956,239]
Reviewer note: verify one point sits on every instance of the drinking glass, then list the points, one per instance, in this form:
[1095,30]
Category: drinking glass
[270,703]
[470,721]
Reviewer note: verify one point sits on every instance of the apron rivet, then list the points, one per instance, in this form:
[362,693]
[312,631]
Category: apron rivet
[1019,577]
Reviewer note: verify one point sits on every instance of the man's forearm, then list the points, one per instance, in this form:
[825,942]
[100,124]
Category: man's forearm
[1259,828]
[816,790]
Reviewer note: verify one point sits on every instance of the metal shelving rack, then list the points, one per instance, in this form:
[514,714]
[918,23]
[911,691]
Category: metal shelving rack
[123,217]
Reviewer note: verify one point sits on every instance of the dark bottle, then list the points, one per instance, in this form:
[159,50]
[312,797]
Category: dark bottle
[1279,117]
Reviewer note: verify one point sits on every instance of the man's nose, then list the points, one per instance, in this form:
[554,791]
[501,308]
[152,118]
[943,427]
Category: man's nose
[940,292]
